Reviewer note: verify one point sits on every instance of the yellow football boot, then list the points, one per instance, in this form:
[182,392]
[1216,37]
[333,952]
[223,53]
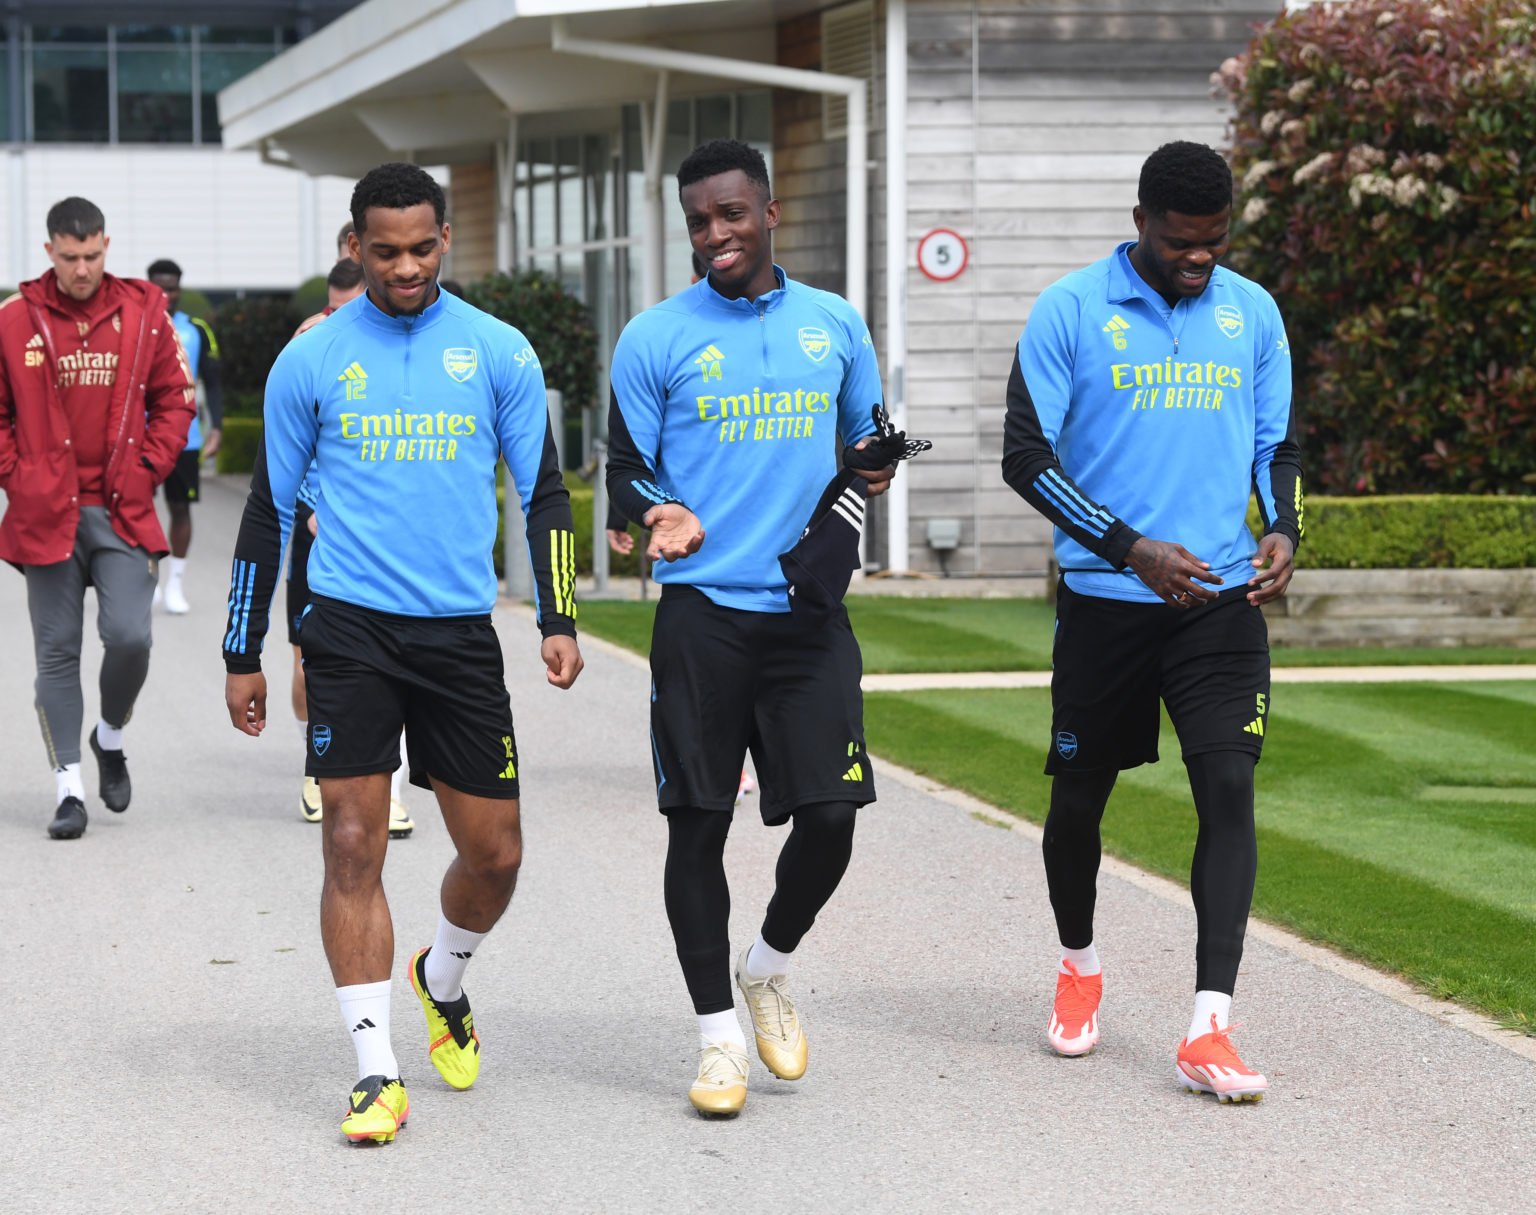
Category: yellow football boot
[721,1088]
[781,1043]
[376,1111]
[452,1041]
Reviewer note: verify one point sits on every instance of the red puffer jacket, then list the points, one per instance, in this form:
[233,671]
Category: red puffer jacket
[151,406]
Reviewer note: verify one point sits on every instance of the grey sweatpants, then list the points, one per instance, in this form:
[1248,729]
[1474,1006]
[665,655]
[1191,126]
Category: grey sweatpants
[124,578]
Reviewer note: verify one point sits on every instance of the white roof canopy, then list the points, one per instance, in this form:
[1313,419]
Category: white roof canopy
[438,79]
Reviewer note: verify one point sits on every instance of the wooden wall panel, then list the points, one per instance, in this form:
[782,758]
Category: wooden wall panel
[1027,124]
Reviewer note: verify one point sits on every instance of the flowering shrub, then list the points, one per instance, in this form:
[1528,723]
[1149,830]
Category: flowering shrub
[1386,174]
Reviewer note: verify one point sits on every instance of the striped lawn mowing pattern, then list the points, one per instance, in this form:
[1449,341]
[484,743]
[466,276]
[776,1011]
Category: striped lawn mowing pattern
[1396,821]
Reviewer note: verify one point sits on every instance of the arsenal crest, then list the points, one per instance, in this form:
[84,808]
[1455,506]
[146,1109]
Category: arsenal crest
[815,343]
[460,362]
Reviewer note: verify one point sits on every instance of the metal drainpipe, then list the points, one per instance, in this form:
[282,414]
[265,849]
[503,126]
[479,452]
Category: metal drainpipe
[896,269]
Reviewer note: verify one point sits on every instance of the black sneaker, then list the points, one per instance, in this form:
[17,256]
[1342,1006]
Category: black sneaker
[116,789]
[68,820]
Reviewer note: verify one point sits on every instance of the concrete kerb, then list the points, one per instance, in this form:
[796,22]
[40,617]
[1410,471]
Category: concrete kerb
[1445,1011]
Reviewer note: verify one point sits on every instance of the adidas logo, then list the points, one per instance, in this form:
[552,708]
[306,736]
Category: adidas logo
[35,342]
[708,363]
[855,773]
[365,1023]
[356,380]
[1256,726]
[360,1099]
[34,356]
[466,955]
[1116,329]
[510,771]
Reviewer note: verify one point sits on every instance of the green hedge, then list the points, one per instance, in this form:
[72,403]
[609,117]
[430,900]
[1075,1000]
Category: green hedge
[239,439]
[1418,531]
[581,512]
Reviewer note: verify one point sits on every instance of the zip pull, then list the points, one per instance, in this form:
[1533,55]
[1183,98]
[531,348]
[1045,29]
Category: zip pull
[1175,345]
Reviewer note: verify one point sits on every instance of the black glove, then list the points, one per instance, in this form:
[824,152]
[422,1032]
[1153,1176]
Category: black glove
[889,445]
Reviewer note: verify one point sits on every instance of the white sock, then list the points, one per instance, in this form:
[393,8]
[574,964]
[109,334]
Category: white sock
[365,1013]
[178,568]
[397,777]
[1206,1003]
[1086,959]
[447,959]
[67,782]
[109,738]
[303,729]
[721,1027]
[764,961]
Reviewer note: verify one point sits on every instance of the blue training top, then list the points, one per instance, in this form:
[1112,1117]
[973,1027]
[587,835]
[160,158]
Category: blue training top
[738,409]
[405,417]
[1131,417]
[202,351]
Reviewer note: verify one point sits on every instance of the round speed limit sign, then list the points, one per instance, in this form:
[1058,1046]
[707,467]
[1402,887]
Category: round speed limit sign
[942,254]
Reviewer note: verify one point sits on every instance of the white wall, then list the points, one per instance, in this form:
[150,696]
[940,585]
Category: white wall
[231,222]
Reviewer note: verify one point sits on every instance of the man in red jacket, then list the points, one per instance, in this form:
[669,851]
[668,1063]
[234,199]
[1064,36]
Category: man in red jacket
[95,401]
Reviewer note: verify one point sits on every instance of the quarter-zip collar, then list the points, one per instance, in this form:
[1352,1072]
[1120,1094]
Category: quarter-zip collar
[388,323]
[761,306]
[1126,285]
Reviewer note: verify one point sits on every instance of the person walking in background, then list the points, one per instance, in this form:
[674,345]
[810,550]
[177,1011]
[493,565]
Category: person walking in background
[1150,395]
[95,400]
[733,669]
[398,631]
[181,487]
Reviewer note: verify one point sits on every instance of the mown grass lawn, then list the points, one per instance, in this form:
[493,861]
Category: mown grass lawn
[1397,822]
[914,636]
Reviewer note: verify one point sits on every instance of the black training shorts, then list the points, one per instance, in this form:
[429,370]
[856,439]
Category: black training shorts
[1114,659]
[299,544]
[368,673]
[185,479]
[725,681]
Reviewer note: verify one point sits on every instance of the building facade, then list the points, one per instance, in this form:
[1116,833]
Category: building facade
[118,103]
[1008,132]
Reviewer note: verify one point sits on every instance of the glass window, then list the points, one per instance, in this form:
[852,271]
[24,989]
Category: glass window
[519,215]
[69,33]
[154,96]
[237,35]
[568,154]
[70,97]
[541,196]
[171,35]
[5,88]
[754,117]
[713,118]
[218,69]
[599,174]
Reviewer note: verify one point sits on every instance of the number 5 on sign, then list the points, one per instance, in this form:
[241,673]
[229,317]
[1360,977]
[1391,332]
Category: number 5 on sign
[942,254]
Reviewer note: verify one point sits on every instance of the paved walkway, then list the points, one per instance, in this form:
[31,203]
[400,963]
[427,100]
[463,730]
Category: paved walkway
[175,1044]
[1042,679]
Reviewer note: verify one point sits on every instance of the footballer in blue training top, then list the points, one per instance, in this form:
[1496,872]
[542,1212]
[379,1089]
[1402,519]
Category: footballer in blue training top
[406,399]
[731,403]
[1150,398]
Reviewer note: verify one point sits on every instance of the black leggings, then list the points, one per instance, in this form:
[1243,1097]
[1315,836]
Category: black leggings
[811,865]
[1220,877]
